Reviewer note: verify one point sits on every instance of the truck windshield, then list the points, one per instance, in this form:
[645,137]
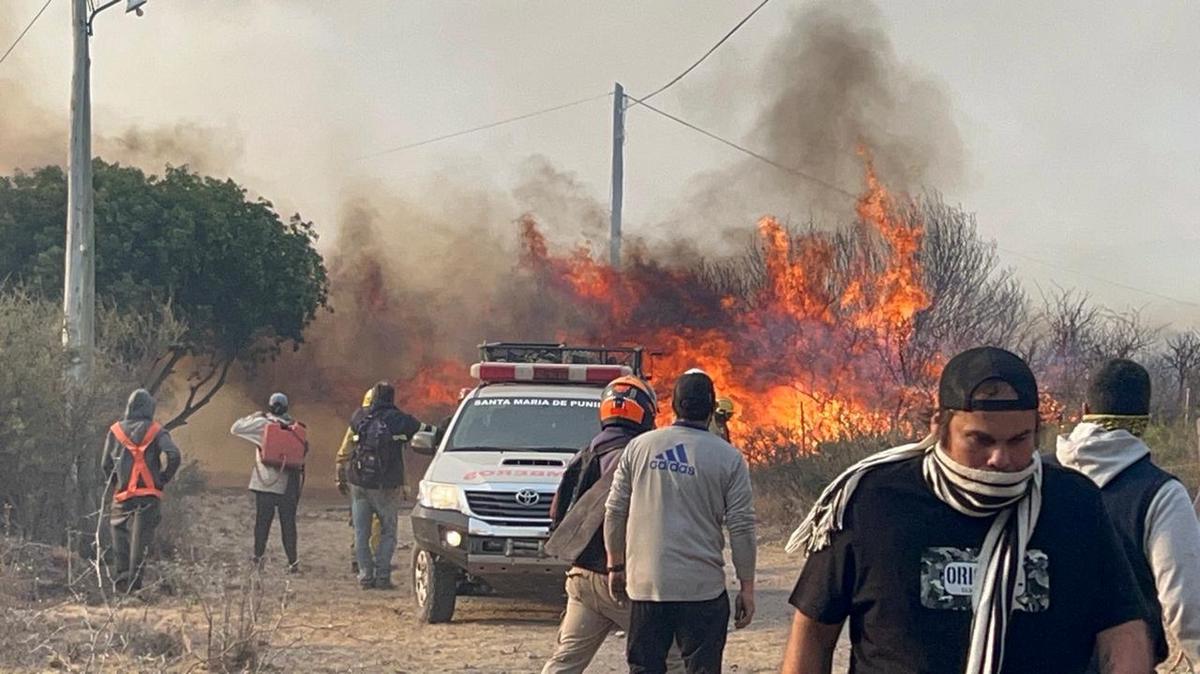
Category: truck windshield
[525,424]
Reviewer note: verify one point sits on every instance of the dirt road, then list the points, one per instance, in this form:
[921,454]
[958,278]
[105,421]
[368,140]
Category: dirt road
[199,612]
[332,625]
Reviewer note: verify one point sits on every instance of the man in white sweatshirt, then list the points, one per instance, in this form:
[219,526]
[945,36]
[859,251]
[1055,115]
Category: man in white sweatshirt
[675,493]
[1150,508]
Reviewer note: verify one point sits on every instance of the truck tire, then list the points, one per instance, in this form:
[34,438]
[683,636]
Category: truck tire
[435,585]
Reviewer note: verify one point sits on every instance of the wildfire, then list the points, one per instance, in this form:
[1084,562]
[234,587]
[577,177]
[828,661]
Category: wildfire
[807,333]
[812,354]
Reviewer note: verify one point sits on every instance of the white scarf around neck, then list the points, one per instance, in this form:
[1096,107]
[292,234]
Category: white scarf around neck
[1014,499]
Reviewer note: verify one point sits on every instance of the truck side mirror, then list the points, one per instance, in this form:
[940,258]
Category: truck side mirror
[422,443]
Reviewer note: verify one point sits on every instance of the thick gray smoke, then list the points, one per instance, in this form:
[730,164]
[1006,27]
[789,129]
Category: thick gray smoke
[831,85]
[420,277]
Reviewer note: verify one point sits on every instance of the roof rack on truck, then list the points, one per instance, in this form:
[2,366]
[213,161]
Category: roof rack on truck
[537,352]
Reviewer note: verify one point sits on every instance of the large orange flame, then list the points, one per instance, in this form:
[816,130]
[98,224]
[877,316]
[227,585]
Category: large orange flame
[809,343]
[813,354]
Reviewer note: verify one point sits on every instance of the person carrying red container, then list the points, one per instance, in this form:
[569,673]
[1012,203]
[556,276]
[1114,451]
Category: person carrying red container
[278,473]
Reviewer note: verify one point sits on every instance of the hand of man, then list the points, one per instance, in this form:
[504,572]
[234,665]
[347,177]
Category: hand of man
[343,488]
[616,586]
[744,609]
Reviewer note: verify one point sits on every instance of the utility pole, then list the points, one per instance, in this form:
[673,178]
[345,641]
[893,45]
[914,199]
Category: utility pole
[79,282]
[79,272]
[618,174]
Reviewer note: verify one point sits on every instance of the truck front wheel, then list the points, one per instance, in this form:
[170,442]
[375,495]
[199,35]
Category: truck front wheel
[435,585]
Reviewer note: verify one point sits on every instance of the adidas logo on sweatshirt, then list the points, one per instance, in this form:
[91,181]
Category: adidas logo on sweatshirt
[674,460]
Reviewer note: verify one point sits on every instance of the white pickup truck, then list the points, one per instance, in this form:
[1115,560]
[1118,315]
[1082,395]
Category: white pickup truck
[483,508]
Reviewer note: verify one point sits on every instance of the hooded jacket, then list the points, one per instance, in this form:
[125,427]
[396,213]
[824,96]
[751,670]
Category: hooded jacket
[1170,545]
[117,462]
[264,478]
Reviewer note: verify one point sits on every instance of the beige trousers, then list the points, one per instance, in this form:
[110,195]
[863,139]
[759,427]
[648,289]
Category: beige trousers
[591,614]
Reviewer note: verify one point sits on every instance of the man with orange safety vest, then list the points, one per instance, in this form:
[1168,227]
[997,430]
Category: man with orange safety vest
[139,460]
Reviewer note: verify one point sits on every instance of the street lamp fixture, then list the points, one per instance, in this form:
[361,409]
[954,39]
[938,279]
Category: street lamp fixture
[134,6]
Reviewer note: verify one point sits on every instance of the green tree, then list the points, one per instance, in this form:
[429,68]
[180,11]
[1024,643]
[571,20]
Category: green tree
[243,281]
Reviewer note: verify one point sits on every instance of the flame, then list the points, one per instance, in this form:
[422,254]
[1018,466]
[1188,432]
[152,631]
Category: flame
[813,354]
[809,344]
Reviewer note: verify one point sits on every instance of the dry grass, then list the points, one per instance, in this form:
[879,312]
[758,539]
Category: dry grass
[786,488]
[197,612]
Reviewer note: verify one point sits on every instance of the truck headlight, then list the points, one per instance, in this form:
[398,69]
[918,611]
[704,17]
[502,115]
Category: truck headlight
[440,496]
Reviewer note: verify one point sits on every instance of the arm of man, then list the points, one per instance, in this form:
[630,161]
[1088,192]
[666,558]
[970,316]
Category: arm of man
[810,646]
[250,427]
[342,458]
[566,489]
[616,519]
[823,597]
[174,457]
[1172,547]
[1125,649]
[739,520]
[108,464]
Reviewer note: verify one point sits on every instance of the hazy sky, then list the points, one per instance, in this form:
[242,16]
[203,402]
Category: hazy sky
[1079,120]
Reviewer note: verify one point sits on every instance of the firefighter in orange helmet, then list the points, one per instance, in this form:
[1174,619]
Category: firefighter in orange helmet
[627,409]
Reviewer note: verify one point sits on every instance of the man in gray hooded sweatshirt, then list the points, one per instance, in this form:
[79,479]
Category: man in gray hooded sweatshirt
[139,460]
[1153,515]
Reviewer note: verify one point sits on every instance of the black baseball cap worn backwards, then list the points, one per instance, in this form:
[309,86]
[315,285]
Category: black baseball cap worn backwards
[969,370]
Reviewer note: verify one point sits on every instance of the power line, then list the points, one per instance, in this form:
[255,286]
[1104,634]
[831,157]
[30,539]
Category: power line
[766,160]
[835,188]
[668,85]
[1059,267]
[22,35]
[484,127]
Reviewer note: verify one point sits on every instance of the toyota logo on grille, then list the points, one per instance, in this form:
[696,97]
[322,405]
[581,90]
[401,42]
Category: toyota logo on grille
[528,497]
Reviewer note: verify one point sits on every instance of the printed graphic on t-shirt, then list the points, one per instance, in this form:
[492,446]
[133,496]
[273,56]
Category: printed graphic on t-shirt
[948,576]
[674,460]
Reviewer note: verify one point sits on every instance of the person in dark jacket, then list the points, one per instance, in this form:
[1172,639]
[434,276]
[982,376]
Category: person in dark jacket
[1150,507]
[139,460]
[627,409]
[374,470]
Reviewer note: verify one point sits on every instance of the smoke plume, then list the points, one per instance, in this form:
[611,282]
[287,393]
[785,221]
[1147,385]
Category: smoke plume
[831,85]
[420,278]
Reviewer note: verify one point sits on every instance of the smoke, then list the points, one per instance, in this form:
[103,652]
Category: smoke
[833,84]
[562,200]
[419,279]
[204,149]
[32,135]
[421,275]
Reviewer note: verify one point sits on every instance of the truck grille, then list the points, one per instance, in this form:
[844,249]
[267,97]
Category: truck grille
[532,462]
[504,508]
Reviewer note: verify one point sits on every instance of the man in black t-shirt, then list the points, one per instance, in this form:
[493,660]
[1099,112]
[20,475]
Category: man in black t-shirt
[918,546]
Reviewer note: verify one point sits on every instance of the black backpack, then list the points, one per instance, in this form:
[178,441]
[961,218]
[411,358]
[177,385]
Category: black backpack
[374,451]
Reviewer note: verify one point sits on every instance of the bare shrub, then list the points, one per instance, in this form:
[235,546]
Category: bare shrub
[238,613]
[51,433]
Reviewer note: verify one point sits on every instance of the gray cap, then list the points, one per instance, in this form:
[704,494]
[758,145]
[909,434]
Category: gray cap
[278,400]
